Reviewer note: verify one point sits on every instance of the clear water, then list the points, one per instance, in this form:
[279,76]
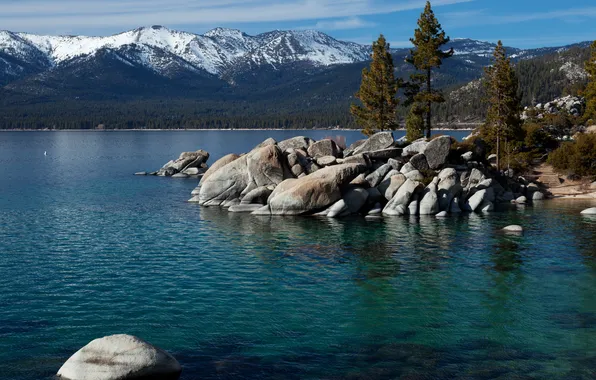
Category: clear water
[87,250]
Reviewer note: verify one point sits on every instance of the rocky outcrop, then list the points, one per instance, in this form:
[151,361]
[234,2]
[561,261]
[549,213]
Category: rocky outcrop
[120,357]
[300,176]
[189,163]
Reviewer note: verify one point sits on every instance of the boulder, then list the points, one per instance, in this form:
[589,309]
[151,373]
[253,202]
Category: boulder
[376,210]
[454,208]
[323,148]
[414,175]
[399,203]
[476,200]
[180,175]
[313,192]
[269,141]
[384,154]
[292,159]
[521,200]
[487,206]
[391,185]
[467,156]
[360,180]
[429,204]
[590,211]
[298,142]
[419,162]
[538,196]
[120,357]
[408,167]
[356,159]
[395,164]
[448,188]
[338,209]
[376,142]
[218,165]
[442,214]
[414,148]
[436,151]
[513,228]
[414,206]
[350,150]
[378,175]
[326,161]
[374,196]
[194,171]
[297,170]
[225,184]
[258,195]
[141,173]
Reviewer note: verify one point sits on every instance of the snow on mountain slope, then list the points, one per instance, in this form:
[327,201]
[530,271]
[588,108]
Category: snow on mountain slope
[213,52]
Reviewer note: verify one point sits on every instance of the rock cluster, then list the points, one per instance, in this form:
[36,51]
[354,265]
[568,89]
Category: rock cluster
[189,164]
[120,357]
[571,105]
[372,177]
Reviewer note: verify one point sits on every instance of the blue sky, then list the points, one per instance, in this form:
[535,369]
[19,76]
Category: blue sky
[520,23]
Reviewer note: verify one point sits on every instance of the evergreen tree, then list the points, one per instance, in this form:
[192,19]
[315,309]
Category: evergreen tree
[502,120]
[377,92]
[590,92]
[415,123]
[427,55]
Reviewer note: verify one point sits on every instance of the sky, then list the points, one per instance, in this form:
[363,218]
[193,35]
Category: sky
[519,23]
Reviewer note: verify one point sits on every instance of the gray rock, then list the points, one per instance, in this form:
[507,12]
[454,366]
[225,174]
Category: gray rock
[487,206]
[297,170]
[245,208]
[323,148]
[389,186]
[350,150]
[414,175]
[326,161]
[298,142]
[225,184]
[360,180]
[538,196]
[414,148]
[263,211]
[338,209]
[378,175]
[194,171]
[141,173]
[384,154]
[377,210]
[269,141]
[218,165]
[399,203]
[437,151]
[265,166]
[395,164]
[376,142]
[258,195]
[196,191]
[476,200]
[356,159]
[521,200]
[293,159]
[313,192]
[429,204]
[180,175]
[467,156]
[408,167]
[419,162]
[589,211]
[120,357]
[414,206]
[514,228]
[442,214]
[374,195]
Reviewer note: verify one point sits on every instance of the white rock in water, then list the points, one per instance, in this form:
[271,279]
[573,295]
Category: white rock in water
[120,357]
[513,228]
[141,173]
[590,211]
[442,214]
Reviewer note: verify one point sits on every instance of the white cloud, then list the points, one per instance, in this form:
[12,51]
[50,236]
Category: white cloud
[343,24]
[39,16]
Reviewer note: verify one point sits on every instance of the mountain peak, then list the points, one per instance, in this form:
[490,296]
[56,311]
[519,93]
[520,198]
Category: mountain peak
[224,32]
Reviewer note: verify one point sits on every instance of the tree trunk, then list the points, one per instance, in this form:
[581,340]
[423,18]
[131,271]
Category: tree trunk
[499,149]
[428,114]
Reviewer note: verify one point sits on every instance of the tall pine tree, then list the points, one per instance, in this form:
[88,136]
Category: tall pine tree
[502,120]
[590,92]
[426,56]
[377,92]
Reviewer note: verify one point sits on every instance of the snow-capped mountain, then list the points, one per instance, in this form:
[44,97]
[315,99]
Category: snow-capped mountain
[157,47]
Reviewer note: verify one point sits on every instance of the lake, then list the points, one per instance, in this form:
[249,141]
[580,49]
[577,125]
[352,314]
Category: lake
[88,250]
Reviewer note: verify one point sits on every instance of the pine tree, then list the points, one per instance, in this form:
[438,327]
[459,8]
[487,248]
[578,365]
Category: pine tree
[502,120]
[590,92]
[415,123]
[377,92]
[428,39]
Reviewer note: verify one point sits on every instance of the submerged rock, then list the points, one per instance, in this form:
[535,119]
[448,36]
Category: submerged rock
[513,228]
[120,357]
[590,211]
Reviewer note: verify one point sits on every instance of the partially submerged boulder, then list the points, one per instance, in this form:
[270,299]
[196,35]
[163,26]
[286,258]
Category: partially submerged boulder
[120,357]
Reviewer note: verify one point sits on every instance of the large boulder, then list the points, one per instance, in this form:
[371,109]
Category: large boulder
[384,154]
[218,165]
[391,185]
[376,142]
[399,203]
[324,148]
[448,188]
[258,195]
[226,184]
[437,150]
[429,204]
[414,148]
[120,357]
[265,166]
[378,175]
[313,192]
[419,162]
[350,150]
[298,142]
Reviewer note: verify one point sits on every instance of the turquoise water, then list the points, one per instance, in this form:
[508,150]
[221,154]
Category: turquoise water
[87,250]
